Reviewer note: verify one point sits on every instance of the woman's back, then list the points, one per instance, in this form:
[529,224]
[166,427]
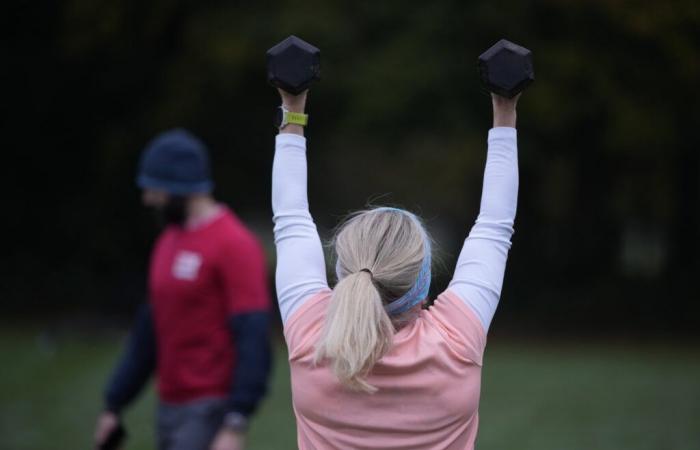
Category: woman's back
[427,384]
[356,381]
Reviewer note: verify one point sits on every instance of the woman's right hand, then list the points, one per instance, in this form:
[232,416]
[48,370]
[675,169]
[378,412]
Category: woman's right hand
[504,110]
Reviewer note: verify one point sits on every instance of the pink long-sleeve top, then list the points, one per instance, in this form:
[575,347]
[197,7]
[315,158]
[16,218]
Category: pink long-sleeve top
[429,382]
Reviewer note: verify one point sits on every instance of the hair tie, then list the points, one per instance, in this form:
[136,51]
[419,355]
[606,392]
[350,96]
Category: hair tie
[368,271]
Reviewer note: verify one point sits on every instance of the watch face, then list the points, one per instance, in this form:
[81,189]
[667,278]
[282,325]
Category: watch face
[277,117]
[236,421]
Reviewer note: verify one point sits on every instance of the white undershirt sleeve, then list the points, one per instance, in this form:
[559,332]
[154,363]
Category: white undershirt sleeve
[301,266]
[481,265]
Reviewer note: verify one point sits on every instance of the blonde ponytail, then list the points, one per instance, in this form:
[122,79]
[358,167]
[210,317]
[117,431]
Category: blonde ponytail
[358,331]
[380,254]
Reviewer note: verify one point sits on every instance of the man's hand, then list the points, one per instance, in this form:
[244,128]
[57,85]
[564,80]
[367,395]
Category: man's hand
[107,422]
[228,440]
[504,114]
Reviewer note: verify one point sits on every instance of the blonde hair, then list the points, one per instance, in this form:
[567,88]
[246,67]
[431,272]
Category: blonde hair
[380,253]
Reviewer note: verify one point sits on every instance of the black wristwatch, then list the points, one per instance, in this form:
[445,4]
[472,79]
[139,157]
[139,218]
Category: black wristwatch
[236,422]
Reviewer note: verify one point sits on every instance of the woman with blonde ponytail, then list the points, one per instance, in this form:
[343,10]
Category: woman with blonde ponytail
[371,367]
[380,252]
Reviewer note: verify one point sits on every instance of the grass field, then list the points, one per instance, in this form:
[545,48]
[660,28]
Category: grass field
[535,395]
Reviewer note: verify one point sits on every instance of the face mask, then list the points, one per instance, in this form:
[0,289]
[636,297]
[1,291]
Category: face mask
[174,212]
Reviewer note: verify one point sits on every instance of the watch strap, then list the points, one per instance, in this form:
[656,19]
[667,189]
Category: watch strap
[297,118]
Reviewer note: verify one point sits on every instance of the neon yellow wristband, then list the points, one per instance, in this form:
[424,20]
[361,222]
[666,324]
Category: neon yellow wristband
[297,118]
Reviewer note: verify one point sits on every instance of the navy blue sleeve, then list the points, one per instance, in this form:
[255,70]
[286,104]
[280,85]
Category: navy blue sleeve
[136,365]
[251,340]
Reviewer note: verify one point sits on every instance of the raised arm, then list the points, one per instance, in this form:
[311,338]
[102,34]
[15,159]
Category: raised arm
[481,265]
[301,267]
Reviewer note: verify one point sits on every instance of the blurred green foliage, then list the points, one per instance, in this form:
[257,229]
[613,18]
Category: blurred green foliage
[610,184]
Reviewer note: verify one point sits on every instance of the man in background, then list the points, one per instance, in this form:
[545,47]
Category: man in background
[204,330]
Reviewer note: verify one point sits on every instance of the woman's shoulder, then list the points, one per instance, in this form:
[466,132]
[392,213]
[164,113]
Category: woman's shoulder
[304,324]
[458,324]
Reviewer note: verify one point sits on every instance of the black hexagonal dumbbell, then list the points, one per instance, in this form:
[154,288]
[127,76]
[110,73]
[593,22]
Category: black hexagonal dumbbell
[293,64]
[506,68]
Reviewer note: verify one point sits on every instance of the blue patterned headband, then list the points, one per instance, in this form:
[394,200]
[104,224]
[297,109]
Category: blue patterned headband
[420,288]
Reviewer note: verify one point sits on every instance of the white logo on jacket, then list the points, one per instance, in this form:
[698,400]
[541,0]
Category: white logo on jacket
[186,265]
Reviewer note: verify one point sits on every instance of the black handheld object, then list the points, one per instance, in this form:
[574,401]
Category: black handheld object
[293,64]
[115,438]
[506,69]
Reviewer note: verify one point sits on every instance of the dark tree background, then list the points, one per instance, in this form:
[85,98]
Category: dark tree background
[607,235]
